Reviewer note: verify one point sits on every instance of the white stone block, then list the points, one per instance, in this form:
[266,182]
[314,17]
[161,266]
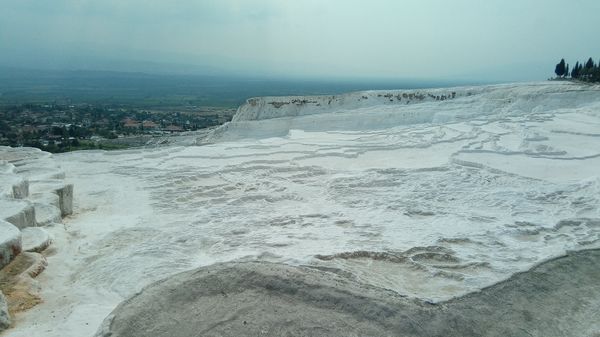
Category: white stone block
[10,243]
[60,188]
[20,213]
[35,239]
[46,214]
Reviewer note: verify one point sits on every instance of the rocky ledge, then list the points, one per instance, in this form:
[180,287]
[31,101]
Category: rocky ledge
[33,193]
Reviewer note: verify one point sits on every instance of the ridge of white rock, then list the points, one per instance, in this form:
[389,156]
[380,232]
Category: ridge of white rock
[32,179]
[32,193]
[265,117]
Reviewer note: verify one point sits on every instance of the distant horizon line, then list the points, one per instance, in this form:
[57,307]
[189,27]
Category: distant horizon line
[269,77]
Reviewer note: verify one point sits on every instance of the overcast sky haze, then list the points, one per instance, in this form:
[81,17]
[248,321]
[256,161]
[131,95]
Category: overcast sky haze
[491,40]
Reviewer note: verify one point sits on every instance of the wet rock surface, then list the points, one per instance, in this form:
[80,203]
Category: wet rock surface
[560,297]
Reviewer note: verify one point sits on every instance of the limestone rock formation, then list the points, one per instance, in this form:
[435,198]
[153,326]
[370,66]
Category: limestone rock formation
[10,243]
[12,186]
[46,214]
[558,298]
[20,213]
[32,188]
[18,282]
[32,193]
[60,188]
[35,239]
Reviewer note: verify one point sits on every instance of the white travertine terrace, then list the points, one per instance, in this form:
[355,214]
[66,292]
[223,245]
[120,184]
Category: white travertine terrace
[32,193]
[10,243]
[35,239]
[428,198]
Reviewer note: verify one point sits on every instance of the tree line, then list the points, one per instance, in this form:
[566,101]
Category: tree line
[588,71]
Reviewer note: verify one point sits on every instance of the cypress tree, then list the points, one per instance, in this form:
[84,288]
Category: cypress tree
[575,71]
[589,64]
[560,68]
[588,71]
[596,73]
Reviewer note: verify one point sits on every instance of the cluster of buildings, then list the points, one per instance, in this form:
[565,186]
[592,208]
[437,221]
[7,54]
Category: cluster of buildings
[150,126]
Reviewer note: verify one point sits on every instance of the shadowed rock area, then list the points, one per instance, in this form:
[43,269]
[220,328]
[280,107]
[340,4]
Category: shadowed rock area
[560,297]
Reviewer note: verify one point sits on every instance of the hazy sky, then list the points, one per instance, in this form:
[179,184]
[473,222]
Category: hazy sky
[485,39]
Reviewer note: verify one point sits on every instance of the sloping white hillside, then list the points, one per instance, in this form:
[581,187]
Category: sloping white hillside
[428,198]
[384,109]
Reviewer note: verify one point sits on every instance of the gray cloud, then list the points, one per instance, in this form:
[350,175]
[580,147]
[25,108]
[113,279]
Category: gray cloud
[342,38]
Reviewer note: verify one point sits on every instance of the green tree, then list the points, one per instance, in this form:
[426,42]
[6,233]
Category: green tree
[560,68]
[589,64]
[576,70]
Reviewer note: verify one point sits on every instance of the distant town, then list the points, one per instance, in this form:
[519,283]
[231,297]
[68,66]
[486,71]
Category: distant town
[62,128]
